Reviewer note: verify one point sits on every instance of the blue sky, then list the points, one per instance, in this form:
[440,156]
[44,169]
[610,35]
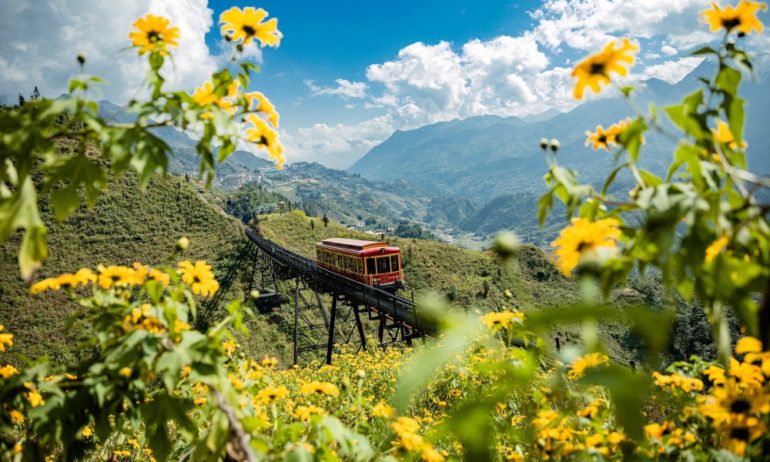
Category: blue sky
[326,40]
[349,73]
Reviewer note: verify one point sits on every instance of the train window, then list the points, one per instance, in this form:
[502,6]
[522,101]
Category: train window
[370,266]
[394,263]
[383,265]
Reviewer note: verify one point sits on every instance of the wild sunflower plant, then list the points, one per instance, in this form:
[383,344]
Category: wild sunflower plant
[702,226]
[487,389]
[35,165]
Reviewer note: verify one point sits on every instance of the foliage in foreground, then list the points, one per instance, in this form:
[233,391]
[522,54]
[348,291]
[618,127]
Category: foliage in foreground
[156,390]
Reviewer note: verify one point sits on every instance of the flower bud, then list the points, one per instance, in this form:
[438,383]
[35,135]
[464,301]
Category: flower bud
[81,59]
[254,294]
[506,244]
[555,145]
[183,243]
[543,143]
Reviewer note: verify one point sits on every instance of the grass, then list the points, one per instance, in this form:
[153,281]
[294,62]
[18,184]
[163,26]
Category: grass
[469,278]
[126,225]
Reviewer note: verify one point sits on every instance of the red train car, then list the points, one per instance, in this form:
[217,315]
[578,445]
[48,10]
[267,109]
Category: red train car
[371,262]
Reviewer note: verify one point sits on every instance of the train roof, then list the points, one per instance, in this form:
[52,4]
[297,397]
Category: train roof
[355,244]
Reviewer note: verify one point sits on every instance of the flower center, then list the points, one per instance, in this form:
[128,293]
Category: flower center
[740,434]
[248,30]
[584,246]
[598,69]
[263,141]
[602,139]
[154,36]
[731,23]
[196,279]
[115,278]
[739,406]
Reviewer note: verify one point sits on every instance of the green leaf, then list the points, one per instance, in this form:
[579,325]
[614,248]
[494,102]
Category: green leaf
[704,51]
[686,115]
[633,136]
[20,211]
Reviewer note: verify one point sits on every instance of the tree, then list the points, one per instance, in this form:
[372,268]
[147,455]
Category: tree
[312,224]
[35,94]
[22,101]
[325,219]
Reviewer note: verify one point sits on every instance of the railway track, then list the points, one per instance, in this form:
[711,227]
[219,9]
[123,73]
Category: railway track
[376,301]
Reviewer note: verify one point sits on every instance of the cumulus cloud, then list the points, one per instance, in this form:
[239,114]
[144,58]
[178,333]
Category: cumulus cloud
[344,88]
[336,145]
[39,42]
[672,71]
[668,50]
[589,24]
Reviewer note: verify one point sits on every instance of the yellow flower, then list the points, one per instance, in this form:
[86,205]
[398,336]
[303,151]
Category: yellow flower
[5,339]
[583,237]
[125,372]
[265,137]
[320,388]
[271,394]
[264,106]
[716,247]
[748,345]
[601,139]
[723,135]
[34,398]
[154,34]
[17,417]
[121,453]
[44,285]
[118,276]
[206,95]
[742,17]
[303,413]
[159,276]
[229,347]
[268,361]
[247,24]
[383,410]
[596,69]
[588,361]
[200,401]
[502,319]
[199,277]
[86,432]
[429,454]
[18,448]
[7,371]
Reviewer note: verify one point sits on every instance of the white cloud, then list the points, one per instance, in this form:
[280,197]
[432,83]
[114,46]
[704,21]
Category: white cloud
[344,88]
[589,24]
[336,145]
[668,50]
[672,71]
[56,31]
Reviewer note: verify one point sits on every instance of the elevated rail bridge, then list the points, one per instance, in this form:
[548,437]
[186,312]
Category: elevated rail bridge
[321,323]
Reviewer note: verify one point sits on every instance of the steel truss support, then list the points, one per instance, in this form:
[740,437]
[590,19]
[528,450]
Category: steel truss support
[311,322]
[344,323]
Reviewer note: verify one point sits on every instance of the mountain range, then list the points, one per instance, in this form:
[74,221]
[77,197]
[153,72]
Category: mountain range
[473,176]
[485,157]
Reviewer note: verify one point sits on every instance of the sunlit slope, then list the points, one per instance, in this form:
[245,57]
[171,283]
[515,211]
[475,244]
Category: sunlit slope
[469,278]
[126,225]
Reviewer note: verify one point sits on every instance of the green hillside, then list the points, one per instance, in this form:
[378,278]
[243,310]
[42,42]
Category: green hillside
[125,226]
[475,280]
[468,278]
